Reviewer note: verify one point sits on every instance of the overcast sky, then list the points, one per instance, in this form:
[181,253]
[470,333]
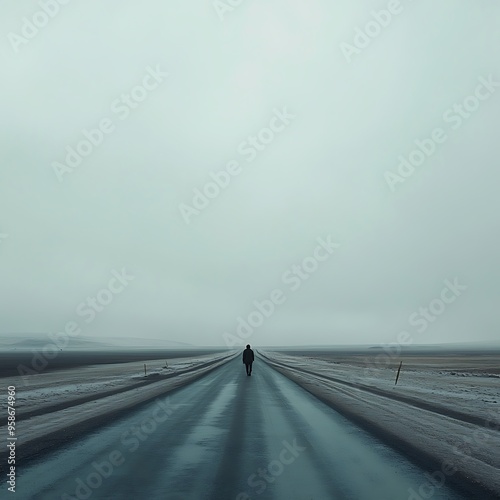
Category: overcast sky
[307,113]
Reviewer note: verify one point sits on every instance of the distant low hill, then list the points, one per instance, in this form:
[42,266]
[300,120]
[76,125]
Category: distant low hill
[39,340]
[141,342]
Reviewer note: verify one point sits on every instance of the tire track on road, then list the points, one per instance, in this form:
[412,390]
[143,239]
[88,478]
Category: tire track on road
[96,397]
[417,403]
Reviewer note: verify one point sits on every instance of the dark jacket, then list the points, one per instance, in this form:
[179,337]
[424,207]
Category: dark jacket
[248,356]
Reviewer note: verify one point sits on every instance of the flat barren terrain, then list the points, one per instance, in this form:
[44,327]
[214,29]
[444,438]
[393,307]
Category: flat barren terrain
[444,410]
[307,425]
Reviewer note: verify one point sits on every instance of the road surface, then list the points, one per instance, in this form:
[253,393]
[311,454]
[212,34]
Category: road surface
[227,436]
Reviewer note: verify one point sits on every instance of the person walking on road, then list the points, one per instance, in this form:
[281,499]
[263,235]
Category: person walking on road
[248,359]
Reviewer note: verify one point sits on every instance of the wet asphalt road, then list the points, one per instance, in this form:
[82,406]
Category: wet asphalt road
[226,436]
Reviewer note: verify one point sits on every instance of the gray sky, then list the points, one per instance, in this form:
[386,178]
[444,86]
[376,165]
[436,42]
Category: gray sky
[330,110]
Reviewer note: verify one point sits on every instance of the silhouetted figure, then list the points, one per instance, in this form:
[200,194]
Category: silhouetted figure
[248,358]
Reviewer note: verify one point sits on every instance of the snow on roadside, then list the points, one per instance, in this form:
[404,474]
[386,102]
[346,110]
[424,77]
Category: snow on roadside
[56,421]
[47,389]
[474,450]
[472,393]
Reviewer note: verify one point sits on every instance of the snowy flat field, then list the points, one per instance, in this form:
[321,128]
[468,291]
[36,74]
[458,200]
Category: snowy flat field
[55,405]
[445,408]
